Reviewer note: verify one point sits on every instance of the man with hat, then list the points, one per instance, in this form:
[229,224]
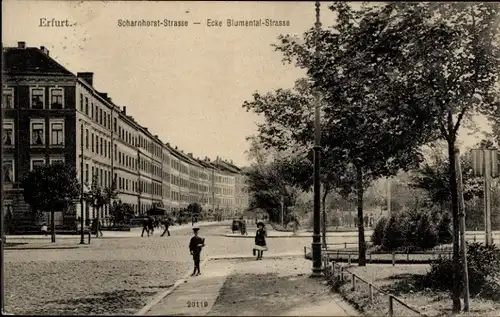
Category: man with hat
[195,245]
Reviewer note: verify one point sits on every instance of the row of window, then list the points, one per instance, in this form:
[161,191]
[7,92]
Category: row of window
[98,145]
[96,113]
[37,132]
[9,175]
[37,98]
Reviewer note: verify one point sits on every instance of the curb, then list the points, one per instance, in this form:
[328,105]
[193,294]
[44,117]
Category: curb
[161,295]
[47,248]
[229,235]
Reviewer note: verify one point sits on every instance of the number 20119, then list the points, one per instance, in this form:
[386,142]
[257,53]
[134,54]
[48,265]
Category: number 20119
[193,304]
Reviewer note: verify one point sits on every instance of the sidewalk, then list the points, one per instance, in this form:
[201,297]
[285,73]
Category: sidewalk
[300,234]
[278,285]
[134,232]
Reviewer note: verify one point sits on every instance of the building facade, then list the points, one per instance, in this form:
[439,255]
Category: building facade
[51,114]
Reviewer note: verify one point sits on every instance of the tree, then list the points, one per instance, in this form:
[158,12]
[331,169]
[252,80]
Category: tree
[194,210]
[50,188]
[357,125]
[121,212]
[99,196]
[434,178]
[440,61]
[267,185]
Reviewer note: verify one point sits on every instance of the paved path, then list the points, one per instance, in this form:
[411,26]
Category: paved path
[197,296]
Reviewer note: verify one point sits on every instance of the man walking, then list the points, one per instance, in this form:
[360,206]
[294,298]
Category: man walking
[195,245]
[145,227]
[166,223]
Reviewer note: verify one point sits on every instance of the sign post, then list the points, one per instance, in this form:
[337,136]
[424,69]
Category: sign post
[485,164]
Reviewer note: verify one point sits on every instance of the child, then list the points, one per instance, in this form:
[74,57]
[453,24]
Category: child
[195,246]
[260,240]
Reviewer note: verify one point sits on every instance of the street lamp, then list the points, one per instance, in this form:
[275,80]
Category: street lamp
[316,243]
[82,238]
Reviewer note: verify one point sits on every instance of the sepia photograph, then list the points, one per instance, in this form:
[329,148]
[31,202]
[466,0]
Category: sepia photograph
[250,158]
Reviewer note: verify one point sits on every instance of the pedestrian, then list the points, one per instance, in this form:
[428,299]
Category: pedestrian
[260,240]
[44,229]
[195,245]
[145,227]
[166,223]
[99,227]
[151,226]
[243,227]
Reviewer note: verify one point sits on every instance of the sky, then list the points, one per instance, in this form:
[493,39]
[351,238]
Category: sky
[185,84]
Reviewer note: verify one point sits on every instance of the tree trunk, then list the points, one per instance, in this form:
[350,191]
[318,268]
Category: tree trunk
[361,228]
[457,306]
[97,222]
[52,226]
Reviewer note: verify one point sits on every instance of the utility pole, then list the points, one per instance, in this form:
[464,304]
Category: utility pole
[82,239]
[461,214]
[389,197]
[2,217]
[485,164]
[282,217]
[487,197]
[316,243]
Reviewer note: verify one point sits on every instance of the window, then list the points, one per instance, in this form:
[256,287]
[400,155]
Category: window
[8,134]
[92,140]
[101,148]
[86,173]
[81,102]
[37,98]
[38,133]
[8,98]
[8,171]
[36,162]
[54,160]
[92,111]
[87,106]
[114,124]
[56,98]
[87,138]
[100,116]
[57,133]
[97,144]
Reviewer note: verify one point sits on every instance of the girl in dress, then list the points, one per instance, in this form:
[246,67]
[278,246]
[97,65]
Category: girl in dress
[260,240]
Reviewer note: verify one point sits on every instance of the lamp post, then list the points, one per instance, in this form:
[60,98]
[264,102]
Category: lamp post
[316,243]
[82,240]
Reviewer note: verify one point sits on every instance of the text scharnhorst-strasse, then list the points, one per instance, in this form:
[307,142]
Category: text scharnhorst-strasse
[248,23]
[152,23]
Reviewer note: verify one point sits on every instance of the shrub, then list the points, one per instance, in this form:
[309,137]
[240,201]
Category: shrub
[427,235]
[378,232]
[483,268]
[394,234]
[444,229]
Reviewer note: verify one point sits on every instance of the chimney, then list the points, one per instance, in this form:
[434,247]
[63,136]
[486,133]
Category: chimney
[231,161]
[124,110]
[156,136]
[89,78]
[44,50]
[190,155]
[176,147]
[21,44]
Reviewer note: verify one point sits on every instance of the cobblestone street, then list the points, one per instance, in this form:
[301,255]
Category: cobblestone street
[113,275]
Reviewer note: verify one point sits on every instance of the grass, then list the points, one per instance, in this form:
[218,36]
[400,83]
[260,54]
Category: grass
[407,283]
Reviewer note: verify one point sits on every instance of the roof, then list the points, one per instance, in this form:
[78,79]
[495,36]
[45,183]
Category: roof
[31,60]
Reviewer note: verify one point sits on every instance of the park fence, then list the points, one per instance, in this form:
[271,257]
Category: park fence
[370,294]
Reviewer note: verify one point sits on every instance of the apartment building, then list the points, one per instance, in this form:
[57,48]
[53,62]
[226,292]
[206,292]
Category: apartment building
[53,115]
